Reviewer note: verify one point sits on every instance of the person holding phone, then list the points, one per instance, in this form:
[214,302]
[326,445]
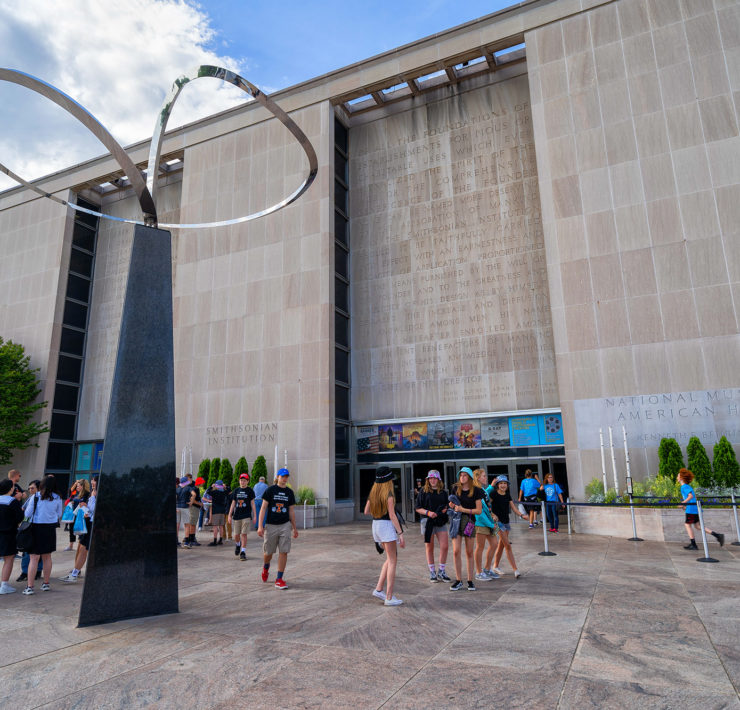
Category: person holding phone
[501,504]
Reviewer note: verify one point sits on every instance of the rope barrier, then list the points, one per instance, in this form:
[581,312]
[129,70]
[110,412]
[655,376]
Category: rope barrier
[664,502]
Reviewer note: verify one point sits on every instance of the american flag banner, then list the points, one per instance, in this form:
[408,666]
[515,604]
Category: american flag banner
[367,439]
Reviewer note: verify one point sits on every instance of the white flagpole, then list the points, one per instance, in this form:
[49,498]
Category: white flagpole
[603,463]
[614,461]
[276,460]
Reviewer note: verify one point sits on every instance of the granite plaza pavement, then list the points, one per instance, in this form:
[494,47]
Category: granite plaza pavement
[604,624]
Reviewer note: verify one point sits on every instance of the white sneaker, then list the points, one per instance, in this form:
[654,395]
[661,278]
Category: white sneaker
[5,588]
[393,601]
[490,574]
[69,578]
[482,577]
[28,591]
[45,587]
[517,574]
[379,594]
[496,570]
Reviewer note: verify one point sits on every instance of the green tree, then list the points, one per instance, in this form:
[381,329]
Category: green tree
[259,468]
[241,467]
[670,458]
[19,388]
[204,469]
[726,467]
[225,472]
[214,472]
[699,462]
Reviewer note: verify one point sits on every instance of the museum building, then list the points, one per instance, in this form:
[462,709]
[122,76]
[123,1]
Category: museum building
[524,231]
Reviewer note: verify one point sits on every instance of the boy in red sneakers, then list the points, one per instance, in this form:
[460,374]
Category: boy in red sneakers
[276,520]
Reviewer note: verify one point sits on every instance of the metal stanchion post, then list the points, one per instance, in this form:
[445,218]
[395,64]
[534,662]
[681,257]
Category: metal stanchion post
[546,552]
[706,557]
[737,527]
[567,512]
[634,537]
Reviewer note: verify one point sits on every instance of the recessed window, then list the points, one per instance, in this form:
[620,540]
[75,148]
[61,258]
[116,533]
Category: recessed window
[73,342]
[78,288]
[69,369]
[65,397]
[75,314]
[59,456]
[80,262]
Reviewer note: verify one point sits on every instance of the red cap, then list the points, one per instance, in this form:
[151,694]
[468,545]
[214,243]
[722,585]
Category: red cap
[244,475]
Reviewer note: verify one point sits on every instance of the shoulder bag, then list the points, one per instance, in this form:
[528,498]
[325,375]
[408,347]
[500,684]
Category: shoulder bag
[24,537]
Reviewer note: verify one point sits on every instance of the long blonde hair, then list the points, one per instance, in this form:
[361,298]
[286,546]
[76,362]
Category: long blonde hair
[378,498]
[457,488]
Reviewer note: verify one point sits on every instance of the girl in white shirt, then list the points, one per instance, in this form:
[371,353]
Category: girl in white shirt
[44,511]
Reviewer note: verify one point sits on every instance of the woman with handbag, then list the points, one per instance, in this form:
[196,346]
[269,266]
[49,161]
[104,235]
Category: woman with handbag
[501,503]
[387,530]
[466,500]
[11,514]
[45,512]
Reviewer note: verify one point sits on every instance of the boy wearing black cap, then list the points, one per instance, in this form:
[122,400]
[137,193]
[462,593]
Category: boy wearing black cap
[277,519]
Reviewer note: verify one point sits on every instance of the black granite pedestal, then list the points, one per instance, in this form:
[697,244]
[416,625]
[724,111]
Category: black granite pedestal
[132,565]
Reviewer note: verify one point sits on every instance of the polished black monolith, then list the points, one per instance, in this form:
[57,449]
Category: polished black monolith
[132,565]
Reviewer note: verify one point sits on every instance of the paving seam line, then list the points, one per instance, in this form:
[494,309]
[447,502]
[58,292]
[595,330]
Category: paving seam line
[706,631]
[116,675]
[583,625]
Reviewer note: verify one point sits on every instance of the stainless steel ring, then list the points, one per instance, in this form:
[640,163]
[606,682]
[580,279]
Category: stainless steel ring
[146,191]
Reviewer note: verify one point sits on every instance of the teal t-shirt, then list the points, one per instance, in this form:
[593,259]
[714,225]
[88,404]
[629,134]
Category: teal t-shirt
[686,489]
[552,490]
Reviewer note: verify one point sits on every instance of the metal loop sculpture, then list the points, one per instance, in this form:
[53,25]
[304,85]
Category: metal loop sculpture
[146,191]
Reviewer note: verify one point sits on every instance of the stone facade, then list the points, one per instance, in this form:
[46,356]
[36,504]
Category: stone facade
[560,232]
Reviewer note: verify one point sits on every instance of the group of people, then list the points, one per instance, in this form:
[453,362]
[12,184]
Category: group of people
[269,509]
[473,512]
[227,512]
[42,506]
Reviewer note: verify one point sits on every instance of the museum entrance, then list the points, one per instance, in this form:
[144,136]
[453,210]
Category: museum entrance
[409,476]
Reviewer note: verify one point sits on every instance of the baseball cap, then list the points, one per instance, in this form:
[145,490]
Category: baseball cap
[183,480]
[244,475]
[283,472]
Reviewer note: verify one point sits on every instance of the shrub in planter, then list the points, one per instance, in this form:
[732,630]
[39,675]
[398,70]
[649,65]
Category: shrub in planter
[726,467]
[213,472]
[665,487]
[699,462]
[241,467]
[305,494]
[204,470]
[225,472]
[594,489]
[670,458]
[259,468]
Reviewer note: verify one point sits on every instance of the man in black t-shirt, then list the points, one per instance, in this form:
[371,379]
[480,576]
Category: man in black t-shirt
[241,514]
[277,519]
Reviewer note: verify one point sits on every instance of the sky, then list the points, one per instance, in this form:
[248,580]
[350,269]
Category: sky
[118,59]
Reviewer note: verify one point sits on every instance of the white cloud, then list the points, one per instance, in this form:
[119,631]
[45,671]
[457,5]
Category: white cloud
[116,59]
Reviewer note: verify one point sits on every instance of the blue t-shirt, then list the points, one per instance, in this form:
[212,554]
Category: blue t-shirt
[685,490]
[551,492]
[529,487]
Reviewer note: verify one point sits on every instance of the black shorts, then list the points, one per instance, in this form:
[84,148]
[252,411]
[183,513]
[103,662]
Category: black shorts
[692,518]
[531,499]
[84,540]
